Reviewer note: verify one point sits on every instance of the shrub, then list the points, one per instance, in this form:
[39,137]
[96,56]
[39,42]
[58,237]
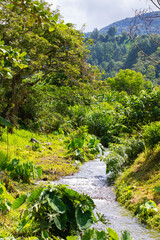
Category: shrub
[142,109]
[56,211]
[99,121]
[83,146]
[152,134]
[21,171]
[77,114]
[123,192]
[122,155]
[127,80]
[146,210]
[133,146]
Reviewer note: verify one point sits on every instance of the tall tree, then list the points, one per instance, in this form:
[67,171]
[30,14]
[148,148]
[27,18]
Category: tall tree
[112,31]
[37,35]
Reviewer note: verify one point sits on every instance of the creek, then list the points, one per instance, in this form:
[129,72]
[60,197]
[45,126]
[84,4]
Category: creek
[92,180]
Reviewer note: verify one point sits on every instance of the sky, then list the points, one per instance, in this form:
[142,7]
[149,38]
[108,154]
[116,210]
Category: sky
[97,13]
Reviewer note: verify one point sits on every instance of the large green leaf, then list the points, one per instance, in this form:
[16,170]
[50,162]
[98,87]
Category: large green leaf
[56,204]
[94,234]
[112,234]
[84,219]
[5,123]
[69,204]
[60,221]
[19,201]
[71,193]
[35,195]
[39,169]
[45,234]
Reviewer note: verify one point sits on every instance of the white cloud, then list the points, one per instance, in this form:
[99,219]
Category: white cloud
[97,13]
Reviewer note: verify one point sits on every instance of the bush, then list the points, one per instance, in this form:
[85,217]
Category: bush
[83,146]
[21,171]
[123,192]
[146,210]
[127,80]
[142,109]
[99,121]
[56,211]
[152,134]
[122,155]
[77,115]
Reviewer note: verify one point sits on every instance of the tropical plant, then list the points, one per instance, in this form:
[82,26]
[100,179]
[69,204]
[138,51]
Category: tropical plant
[56,211]
[146,209]
[152,134]
[21,171]
[83,146]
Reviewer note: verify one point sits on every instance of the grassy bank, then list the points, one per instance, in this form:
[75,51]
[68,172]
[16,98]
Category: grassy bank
[138,188]
[47,151]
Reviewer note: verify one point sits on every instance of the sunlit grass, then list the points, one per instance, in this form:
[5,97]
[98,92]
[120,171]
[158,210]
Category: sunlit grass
[141,179]
[49,152]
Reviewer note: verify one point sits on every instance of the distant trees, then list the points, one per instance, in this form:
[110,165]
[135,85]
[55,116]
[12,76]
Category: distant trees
[111,54]
[147,21]
[137,50]
[112,31]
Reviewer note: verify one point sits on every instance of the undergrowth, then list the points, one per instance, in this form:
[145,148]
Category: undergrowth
[46,151]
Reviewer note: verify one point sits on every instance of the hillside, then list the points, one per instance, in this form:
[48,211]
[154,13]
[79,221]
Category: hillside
[125,24]
[112,48]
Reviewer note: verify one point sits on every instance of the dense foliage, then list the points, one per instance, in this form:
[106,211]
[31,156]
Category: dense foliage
[83,146]
[32,55]
[56,211]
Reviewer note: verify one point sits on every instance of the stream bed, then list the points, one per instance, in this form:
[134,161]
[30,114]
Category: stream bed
[92,180]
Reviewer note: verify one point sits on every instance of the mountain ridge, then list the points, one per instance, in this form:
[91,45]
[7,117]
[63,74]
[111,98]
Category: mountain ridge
[125,24]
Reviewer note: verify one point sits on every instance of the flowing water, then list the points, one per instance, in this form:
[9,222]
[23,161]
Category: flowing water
[92,180]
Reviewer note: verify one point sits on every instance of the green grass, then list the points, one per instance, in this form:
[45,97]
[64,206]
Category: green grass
[50,154]
[141,183]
